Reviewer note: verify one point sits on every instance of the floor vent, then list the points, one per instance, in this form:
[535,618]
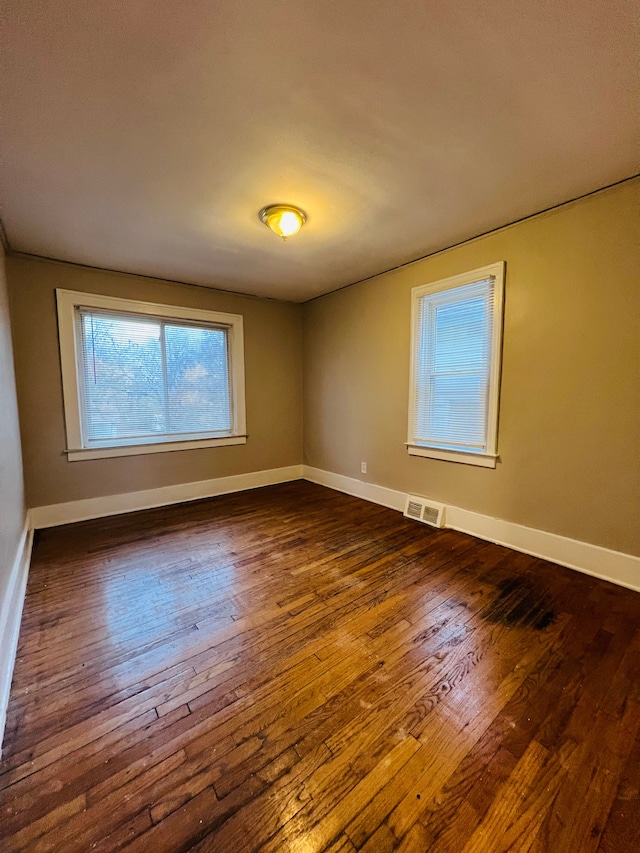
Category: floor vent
[425,511]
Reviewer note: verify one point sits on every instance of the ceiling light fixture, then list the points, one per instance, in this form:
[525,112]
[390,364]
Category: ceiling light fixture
[283,219]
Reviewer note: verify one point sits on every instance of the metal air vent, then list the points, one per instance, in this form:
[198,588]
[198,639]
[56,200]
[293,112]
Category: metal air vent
[425,511]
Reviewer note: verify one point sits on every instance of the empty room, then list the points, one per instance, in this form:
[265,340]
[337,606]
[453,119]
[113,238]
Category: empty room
[320,427]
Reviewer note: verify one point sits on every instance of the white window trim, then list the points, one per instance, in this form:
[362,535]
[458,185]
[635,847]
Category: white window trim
[68,301]
[488,457]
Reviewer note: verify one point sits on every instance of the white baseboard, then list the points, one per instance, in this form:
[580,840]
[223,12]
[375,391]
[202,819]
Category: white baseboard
[615,566]
[67,513]
[350,486]
[10,618]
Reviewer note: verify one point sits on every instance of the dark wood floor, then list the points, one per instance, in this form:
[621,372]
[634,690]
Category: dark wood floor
[292,669]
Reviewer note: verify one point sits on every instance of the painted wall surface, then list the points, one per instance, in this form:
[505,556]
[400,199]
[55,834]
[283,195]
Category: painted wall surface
[273,372]
[569,431]
[12,504]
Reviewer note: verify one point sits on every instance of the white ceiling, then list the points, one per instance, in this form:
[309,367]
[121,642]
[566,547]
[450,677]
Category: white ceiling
[145,135]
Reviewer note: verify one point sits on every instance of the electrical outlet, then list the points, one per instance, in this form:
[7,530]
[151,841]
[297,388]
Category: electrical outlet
[363,467]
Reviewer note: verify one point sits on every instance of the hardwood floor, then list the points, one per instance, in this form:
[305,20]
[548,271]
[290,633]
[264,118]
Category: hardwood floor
[292,669]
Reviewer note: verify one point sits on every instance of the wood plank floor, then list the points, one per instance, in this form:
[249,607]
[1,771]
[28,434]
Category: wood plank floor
[292,669]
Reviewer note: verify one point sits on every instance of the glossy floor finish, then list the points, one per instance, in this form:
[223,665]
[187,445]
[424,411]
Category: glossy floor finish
[292,669]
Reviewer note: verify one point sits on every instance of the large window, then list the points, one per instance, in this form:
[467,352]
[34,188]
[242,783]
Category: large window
[455,367]
[141,378]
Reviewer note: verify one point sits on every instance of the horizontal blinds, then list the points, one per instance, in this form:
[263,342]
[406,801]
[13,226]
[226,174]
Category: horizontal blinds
[145,378]
[453,360]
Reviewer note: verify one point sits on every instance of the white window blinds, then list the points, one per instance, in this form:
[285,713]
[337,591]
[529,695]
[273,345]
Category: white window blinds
[151,379]
[452,367]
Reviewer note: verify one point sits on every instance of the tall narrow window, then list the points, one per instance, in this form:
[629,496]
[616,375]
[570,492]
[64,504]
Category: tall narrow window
[455,372]
[142,378]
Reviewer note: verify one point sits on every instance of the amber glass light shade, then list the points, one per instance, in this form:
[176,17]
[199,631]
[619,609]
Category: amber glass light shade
[283,219]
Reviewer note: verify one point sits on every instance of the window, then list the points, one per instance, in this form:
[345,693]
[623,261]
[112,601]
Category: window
[455,367]
[142,378]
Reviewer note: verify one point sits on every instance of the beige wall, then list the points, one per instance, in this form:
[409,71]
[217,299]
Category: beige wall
[12,508]
[569,436]
[273,387]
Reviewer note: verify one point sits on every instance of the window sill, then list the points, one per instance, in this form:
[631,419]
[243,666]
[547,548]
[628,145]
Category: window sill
[157,447]
[483,460]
